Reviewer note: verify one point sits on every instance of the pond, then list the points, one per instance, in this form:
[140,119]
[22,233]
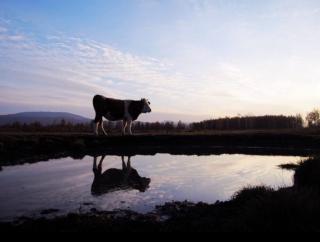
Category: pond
[138,183]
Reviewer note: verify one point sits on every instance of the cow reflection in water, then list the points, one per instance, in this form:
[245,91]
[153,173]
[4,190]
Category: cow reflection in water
[113,179]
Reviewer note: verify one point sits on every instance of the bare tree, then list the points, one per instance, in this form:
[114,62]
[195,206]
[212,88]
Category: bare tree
[313,118]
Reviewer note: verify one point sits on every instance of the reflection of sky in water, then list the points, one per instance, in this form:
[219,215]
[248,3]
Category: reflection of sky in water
[65,184]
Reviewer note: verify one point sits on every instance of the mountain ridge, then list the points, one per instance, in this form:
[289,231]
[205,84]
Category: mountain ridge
[45,118]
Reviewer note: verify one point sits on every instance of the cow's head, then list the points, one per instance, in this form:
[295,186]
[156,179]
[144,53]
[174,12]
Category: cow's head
[137,182]
[146,106]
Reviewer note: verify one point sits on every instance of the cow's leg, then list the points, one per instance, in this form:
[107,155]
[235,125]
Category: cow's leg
[101,124]
[95,126]
[100,163]
[126,169]
[130,126]
[97,121]
[129,169]
[124,166]
[124,126]
[129,162]
[94,167]
[96,129]
[97,169]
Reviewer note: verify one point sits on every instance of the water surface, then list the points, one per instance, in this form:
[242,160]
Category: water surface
[74,186]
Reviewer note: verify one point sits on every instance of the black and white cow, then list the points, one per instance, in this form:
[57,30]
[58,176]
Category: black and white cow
[115,110]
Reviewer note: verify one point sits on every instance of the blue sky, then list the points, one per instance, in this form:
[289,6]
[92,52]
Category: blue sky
[192,59]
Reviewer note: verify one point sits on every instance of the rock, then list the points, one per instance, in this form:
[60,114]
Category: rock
[49,211]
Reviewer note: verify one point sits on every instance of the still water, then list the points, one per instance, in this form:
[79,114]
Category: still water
[70,185]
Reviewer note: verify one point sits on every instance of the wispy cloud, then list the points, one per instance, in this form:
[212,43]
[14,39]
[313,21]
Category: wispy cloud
[7,35]
[60,69]
[4,37]
[3,29]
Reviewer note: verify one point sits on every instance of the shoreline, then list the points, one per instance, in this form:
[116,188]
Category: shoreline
[27,148]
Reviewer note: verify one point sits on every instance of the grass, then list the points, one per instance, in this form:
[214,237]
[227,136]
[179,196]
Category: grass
[289,166]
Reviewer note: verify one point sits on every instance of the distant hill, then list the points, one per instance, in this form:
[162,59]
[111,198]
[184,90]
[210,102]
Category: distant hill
[45,118]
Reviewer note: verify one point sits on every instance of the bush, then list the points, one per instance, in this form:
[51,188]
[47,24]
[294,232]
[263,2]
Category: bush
[308,174]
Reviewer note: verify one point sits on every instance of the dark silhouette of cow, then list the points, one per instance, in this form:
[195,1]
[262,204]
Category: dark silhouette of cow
[113,179]
[115,110]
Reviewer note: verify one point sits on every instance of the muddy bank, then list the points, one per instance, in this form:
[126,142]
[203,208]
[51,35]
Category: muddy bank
[21,148]
[292,209]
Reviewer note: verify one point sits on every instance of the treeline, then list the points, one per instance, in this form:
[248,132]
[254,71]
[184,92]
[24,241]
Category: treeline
[234,123]
[252,122]
[113,127]
[63,126]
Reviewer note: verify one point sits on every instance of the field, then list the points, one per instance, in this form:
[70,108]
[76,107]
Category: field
[28,147]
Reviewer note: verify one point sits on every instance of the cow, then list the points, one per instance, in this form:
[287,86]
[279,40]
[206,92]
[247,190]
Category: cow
[115,110]
[117,179]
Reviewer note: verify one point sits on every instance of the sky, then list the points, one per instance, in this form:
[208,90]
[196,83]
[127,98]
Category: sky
[193,59]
